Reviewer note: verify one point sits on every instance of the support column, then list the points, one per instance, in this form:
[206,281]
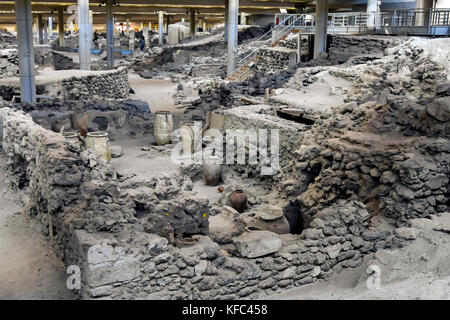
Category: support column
[320,38]
[45,25]
[167,23]
[131,40]
[61,26]
[372,8]
[91,27]
[226,20]
[35,31]
[40,29]
[233,13]
[50,27]
[423,17]
[83,34]
[160,27]
[128,25]
[109,34]
[243,19]
[192,22]
[24,22]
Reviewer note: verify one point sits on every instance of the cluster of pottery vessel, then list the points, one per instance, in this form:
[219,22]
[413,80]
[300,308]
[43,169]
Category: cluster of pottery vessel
[97,141]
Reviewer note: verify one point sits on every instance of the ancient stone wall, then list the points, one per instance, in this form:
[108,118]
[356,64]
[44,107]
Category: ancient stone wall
[105,85]
[103,224]
[277,58]
[146,266]
[256,117]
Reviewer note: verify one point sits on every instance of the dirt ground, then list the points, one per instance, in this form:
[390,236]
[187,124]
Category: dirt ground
[29,268]
[157,93]
[418,271]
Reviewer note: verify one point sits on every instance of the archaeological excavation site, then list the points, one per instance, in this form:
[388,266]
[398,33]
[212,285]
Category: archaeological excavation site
[225,150]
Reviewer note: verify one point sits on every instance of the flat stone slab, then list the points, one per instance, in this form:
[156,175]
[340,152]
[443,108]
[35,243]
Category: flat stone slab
[257,244]
[270,213]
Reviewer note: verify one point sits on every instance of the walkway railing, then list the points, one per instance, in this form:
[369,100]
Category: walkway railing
[429,22]
[286,25]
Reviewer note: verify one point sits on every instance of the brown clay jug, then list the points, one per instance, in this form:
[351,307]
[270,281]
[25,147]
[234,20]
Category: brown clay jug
[238,200]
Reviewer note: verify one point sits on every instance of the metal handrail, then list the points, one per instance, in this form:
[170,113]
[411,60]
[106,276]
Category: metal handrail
[357,22]
[264,43]
[264,35]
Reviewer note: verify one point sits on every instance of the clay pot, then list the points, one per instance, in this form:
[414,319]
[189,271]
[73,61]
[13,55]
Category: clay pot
[72,137]
[238,200]
[212,171]
[163,127]
[221,189]
[99,142]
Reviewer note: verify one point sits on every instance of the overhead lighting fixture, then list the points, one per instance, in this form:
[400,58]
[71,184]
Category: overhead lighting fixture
[283,10]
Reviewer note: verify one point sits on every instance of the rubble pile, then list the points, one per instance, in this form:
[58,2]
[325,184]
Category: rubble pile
[9,63]
[6,40]
[391,153]
[412,69]
[62,62]
[277,58]
[251,33]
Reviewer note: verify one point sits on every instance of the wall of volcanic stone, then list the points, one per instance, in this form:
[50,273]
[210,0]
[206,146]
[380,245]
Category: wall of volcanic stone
[105,85]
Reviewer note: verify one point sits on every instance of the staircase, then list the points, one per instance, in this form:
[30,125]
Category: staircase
[270,39]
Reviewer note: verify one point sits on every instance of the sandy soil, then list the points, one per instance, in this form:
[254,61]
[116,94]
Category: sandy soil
[29,268]
[319,96]
[158,93]
[146,164]
[419,270]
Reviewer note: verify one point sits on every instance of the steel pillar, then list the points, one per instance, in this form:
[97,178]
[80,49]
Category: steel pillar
[233,14]
[226,20]
[320,39]
[160,27]
[192,22]
[84,35]
[372,8]
[24,23]
[110,34]
[40,28]
[61,26]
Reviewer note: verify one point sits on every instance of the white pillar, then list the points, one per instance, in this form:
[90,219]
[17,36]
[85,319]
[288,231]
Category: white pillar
[84,36]
[24,22]
[128,25]
[372,8]
[423,17]
[110,34]
[320,38]
[160,27]
[243,19]
[50,26]
[233,12]
[91,27]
